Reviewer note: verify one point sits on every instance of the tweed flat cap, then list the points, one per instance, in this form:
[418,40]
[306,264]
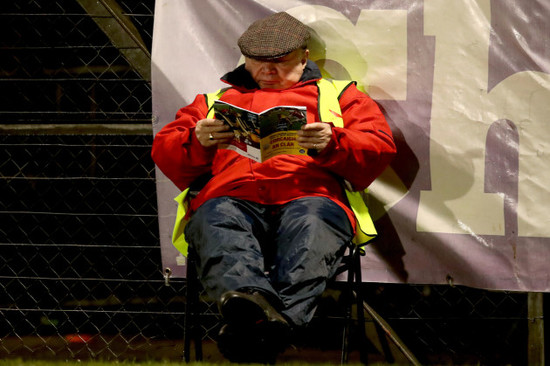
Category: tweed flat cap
[272,37]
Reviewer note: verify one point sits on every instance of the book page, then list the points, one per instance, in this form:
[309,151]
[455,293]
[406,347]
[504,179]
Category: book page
[244,125]
[279,127]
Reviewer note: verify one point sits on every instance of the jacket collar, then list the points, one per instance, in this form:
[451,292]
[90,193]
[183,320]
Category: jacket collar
[241,79]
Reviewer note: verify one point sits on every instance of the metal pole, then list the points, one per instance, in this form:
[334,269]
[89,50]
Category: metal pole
[535,351]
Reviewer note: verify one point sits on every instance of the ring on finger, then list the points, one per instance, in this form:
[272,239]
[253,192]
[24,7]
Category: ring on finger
[210,137]
[315,146]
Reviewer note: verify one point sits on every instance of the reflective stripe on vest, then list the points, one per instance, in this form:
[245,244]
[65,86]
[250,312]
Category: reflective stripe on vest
[329,111]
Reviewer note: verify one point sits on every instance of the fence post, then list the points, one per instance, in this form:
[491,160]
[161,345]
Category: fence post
[535,352]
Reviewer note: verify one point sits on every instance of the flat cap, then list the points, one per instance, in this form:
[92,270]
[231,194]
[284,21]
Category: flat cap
[272,37]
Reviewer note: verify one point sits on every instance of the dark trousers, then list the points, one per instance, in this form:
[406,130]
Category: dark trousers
[287,251]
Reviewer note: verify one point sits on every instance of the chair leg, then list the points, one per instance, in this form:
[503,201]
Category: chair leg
[363,343]
[354,291]
[191,329]
[354,287]
[347,317]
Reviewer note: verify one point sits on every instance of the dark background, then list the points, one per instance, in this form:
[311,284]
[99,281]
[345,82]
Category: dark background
[79,241]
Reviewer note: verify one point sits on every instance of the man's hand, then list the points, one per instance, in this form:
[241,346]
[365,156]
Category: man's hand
[213,132]
[315,135]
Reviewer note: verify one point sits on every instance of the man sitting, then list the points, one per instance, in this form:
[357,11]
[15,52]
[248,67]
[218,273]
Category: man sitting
[267,236]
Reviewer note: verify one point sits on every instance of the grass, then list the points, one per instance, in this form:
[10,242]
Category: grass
[21,362]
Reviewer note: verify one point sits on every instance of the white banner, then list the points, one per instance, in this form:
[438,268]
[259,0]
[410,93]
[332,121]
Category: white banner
[465,86]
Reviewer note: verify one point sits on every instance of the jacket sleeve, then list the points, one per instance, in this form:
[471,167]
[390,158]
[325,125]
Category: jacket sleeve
[363,148]
[176,150]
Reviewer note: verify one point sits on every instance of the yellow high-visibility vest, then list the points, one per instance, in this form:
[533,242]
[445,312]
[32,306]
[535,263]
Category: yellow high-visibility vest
[329,111]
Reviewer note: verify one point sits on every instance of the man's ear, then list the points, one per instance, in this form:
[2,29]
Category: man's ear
[305,57]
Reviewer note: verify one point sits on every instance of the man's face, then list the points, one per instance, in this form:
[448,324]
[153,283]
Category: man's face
[280,73]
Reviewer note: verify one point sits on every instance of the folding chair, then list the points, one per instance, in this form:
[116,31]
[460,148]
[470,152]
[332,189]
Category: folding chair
[351,263]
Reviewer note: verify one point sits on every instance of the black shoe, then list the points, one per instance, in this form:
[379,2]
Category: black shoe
[255,330]
[249,309]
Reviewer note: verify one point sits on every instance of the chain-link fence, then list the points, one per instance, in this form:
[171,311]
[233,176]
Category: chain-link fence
[79,241]
[80,271]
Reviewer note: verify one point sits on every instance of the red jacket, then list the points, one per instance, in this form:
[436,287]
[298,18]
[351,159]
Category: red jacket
[358,153]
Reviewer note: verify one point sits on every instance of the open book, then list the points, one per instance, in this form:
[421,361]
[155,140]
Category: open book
[260,136]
